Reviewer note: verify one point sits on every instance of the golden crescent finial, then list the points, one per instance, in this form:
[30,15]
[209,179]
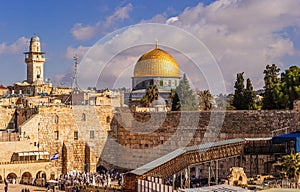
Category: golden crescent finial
[156,43]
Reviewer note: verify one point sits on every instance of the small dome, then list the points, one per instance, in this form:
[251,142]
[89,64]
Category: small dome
[35,38]
[156,63]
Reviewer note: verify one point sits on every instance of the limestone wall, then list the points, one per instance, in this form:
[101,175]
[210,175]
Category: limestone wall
[67,130]
[141,137]
[6,116]
[129,140]
[8,148]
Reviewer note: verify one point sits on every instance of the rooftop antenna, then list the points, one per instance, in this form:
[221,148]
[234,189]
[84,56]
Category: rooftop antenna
[74,83]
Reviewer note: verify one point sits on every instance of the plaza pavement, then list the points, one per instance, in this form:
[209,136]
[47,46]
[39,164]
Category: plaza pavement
[19,187]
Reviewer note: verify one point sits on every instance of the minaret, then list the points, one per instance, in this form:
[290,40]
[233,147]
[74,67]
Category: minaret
[35,62]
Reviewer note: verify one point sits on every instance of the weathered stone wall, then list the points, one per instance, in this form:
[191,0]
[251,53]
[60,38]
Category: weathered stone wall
[73,155]
[53,130]
[141,137]
[129,140]
[24,114]
[297,105]
[8,148]
[11,118]
[6,116]
[236,124]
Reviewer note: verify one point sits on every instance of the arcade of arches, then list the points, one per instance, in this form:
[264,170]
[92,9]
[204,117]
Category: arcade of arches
[26,173]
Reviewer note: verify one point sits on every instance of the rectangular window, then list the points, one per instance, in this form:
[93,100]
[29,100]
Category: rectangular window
[92,134]
[75,135]
[161,83]
[56,135]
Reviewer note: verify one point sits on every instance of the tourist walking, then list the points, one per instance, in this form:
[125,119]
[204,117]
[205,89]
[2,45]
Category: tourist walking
[6,185]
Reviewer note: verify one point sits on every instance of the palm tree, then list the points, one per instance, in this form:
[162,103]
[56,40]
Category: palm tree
[205,100]
[150,96]
[291,165]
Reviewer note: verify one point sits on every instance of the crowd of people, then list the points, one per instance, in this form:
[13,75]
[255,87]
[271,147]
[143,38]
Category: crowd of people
[75,181]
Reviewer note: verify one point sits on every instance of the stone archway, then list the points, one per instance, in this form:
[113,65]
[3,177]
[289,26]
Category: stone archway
[41,174]
[11,177]
[101,169]
[1,180]
[40,178]
[26,178]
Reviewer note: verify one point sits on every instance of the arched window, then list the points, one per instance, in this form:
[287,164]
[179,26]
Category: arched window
[75,135]
[56,119]
[83,117]
[92,134]
[161,83]
[56,135]
[107,119]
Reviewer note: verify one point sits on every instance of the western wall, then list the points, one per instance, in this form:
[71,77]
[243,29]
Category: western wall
[129,140]
[137,142]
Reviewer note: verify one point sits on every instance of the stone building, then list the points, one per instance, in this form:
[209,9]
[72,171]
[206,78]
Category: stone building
[3,91]
[76,133]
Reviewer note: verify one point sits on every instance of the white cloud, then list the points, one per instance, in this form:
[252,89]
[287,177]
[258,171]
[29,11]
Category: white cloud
[110,62]
[16,47]
[81,32]
[243,36]
[172,20]
[120,14]
[79,51]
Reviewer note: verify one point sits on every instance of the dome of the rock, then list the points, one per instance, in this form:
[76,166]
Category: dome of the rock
[156,63]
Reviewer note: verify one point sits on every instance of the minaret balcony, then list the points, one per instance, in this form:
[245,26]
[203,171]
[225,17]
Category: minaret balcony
[35,59]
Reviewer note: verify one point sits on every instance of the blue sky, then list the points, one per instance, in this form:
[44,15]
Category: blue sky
[242,35]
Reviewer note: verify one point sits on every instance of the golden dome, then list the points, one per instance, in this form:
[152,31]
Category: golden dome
[156,63]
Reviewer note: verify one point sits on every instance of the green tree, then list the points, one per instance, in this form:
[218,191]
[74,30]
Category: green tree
[184,98]
[150,96]
[244,98]
[271,78]
[175,101]
[249,95]
[291,165]
[239,93]
[280,99]
[290,86]
[205,100]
